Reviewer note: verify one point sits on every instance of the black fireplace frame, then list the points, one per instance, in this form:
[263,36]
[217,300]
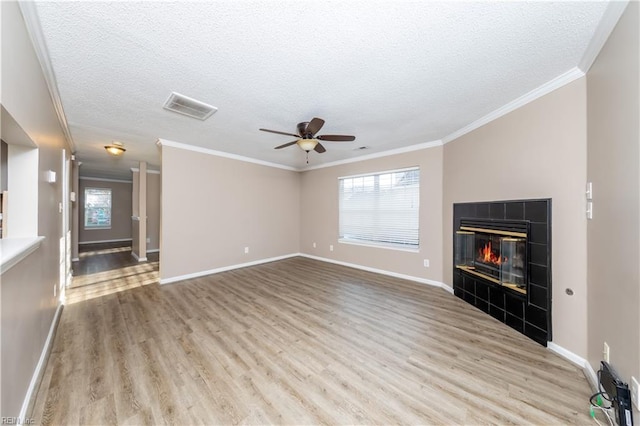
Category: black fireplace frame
[529,313]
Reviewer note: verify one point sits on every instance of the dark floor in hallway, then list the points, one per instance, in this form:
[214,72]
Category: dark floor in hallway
[108,268]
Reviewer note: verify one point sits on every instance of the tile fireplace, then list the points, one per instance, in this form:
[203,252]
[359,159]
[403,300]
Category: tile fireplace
[502,262]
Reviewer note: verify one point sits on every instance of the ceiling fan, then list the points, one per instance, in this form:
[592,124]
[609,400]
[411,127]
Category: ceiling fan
[307,139]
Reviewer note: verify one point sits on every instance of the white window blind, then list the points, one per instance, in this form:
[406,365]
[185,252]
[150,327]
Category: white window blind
[381,208]
[97,208]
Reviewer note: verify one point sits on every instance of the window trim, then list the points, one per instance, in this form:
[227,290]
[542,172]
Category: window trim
[380,244]
[404,169]
[388,246]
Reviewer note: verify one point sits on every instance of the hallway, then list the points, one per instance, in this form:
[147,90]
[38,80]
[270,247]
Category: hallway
[109,268]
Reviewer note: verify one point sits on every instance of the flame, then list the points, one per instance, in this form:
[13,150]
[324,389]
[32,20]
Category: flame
[487,255]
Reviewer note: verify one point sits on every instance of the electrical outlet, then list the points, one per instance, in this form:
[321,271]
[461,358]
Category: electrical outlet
[330,247]
[605,352]
[246,250]
[314,245]
[635,392]
[426,263]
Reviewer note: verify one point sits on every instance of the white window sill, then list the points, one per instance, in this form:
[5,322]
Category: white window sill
[13,250]
[378,245]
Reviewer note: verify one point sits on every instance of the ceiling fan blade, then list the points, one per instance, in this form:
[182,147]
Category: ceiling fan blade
[286,144]
[319,148]
[336,138]
[281,133]
[315,125]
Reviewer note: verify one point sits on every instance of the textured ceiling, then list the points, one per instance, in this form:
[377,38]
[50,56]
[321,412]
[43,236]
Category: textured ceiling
[391,73]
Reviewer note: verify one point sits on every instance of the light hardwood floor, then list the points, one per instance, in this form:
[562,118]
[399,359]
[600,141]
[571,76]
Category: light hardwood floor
[299,342]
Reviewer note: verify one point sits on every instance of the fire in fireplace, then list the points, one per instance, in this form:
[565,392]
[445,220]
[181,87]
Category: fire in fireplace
[487,255]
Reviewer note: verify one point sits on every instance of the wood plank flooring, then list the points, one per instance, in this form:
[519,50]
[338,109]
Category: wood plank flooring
[108,268]
[299,342]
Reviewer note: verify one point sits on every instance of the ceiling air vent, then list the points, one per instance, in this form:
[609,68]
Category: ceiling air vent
[189,106]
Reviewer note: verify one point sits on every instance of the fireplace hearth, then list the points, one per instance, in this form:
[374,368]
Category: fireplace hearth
[502,262]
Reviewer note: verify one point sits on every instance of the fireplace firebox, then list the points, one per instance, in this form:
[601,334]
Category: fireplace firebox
[502,262]
[496,255]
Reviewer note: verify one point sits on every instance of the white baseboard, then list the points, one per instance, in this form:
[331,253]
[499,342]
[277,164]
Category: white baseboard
[153,251]
[39,370]
[138,258]
[381,271]
[322,259]
[105,241]
[225,268]
[447,288]
[591,376]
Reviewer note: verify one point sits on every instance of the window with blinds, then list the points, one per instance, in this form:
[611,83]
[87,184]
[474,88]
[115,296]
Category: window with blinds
[381,208]
[97,208]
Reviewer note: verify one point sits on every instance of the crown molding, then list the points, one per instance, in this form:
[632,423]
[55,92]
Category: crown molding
[32,23]
[179,145]
[609,20]
[410,148]
[562,80]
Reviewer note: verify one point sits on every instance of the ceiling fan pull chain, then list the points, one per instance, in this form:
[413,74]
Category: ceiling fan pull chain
[307,156]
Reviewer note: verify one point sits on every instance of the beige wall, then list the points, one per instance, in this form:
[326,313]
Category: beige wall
[24,326]
[536,151]
[613,237]
[213,207]
[121,193]
[153,211]
[319,208]
[28,301]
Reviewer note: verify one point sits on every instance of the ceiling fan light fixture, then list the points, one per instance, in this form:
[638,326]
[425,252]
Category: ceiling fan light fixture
[116,148]
[307,144]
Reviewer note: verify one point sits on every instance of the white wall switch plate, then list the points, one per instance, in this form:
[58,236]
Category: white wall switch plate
[330,247]
[635,392]
[148,239]
[605,352]
[426,263]
[246,250]
[314,245]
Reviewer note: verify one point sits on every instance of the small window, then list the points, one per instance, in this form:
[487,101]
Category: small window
[381,209]
[97,208]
